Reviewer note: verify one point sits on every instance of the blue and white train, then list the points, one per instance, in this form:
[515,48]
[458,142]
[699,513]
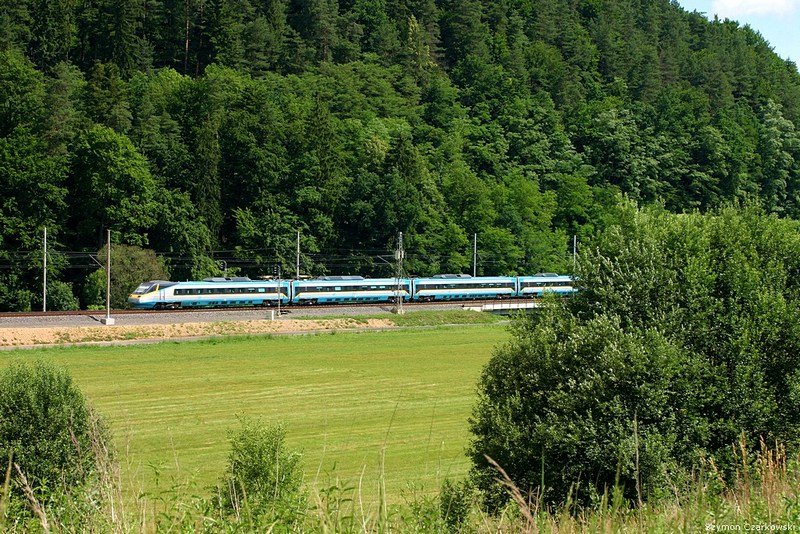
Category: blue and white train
[241,291]
[541,283]
[463,287]
[349,289]
[210,293]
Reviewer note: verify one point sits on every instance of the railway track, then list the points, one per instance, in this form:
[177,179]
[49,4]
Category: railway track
[255,309]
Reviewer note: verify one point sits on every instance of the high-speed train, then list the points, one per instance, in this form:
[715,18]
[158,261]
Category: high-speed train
[210,293]
[242,291]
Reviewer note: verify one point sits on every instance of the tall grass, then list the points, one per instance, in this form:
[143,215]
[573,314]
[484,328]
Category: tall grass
[763,493]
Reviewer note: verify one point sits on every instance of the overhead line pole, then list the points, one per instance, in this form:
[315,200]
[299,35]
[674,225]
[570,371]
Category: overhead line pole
[574,252]
[399,256]
[44,274]
[108,320]
[297,261]
[280,295]
[475,255]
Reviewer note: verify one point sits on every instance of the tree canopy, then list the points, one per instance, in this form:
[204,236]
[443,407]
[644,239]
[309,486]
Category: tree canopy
[212,131]
[680,348]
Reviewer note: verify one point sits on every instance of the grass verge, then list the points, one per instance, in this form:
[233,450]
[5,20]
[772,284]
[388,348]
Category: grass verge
[417,318]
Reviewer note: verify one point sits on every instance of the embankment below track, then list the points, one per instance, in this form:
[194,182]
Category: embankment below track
[27,335]
[30,337]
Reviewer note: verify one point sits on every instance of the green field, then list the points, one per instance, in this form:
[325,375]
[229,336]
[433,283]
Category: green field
[343,397]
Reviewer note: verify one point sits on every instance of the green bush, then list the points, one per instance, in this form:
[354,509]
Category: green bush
[684,340]
[60,296]
[14,299]
[47,429]
[130,266]
[455,501]
[263,482]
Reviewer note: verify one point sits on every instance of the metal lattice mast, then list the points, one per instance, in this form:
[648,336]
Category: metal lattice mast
[297,259]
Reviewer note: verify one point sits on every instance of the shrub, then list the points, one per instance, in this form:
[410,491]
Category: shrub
[48,430]
[263,482]
[455,501]
[14,299]
[130,266]
[683,340]
[60,296]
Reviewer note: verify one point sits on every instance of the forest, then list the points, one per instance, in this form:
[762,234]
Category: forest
[206,133]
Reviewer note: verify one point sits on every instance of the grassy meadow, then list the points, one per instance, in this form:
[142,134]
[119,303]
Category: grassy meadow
[347,399]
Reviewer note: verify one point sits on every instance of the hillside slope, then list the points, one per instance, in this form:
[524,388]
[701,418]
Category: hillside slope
[214,130]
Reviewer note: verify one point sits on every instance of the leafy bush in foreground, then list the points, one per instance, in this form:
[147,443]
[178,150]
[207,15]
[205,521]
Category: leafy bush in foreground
[263,482]
[49,434]
[684,339]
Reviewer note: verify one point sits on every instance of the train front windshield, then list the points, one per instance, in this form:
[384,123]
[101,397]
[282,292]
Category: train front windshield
[143,288]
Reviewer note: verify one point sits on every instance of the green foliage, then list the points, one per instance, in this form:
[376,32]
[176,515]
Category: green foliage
[680,344]
[12,297]
[49,432]
[455,503]
[112,185]
[130,266]
[217,130]
[60,296]
[33,196]
[21,92]
[263,481]
[180,232]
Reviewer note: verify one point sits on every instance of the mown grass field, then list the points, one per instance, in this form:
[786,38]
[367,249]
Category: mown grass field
[344,398]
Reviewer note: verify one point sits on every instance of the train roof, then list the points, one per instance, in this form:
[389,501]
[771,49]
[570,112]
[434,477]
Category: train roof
[466,278]
[334,280]
[231,282]
[547,276]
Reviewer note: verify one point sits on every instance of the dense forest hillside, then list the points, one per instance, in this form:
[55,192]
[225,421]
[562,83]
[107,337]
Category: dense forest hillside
[212,130]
